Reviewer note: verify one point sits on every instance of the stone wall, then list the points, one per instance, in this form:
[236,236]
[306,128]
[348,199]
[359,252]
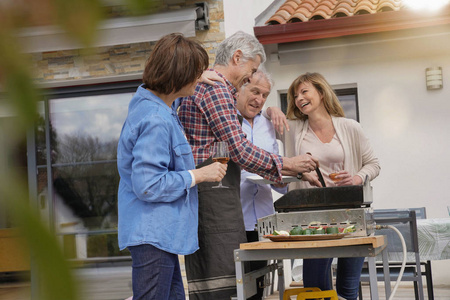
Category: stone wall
[120,59]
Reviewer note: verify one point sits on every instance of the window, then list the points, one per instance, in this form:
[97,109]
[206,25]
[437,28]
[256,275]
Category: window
[349,101]
[77,180]
[347,96]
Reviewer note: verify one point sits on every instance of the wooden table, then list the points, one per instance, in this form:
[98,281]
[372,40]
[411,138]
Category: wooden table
[346,247]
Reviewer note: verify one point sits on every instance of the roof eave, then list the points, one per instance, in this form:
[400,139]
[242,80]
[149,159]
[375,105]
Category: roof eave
[360,24]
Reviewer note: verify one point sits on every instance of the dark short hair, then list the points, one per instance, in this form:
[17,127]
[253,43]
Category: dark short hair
[174,63]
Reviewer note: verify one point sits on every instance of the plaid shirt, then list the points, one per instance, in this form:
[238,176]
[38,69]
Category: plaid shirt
[210,115]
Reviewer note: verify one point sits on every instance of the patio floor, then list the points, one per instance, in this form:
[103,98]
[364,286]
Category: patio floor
[404,292]
[114,283]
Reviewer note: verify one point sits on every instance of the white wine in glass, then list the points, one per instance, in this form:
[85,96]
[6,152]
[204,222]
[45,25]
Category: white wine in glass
[220,154]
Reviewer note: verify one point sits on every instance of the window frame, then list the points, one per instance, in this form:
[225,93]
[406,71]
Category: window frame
[344,91]
[63,92]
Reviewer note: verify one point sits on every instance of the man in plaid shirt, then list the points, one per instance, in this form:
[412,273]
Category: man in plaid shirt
[208,116]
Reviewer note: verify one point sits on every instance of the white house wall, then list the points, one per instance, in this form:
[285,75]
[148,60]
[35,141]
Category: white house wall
[408,125]
[241,14]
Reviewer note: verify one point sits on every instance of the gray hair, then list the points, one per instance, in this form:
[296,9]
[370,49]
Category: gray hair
[264,74]
[245,42]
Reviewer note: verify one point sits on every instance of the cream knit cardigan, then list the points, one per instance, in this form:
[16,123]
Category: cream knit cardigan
[359,158]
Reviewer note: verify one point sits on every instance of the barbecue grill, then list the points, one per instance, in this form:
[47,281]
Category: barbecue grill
[341,206]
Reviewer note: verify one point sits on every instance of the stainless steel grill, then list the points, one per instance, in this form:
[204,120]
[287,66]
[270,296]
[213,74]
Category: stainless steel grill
[329,206]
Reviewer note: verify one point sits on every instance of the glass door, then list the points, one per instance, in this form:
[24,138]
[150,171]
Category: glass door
[77,181]
[77,191]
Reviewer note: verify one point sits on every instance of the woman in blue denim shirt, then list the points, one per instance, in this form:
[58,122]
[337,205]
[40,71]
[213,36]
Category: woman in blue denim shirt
[158,204]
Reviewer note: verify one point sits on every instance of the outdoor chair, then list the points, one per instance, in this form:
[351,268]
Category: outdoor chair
[405,221]
[426,271]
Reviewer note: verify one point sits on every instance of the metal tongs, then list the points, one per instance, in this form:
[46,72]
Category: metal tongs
[319,174]
[320,177]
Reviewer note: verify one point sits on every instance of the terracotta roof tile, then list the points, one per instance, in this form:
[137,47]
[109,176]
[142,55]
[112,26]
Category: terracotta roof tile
[389,3]
[291,7]
[306,10]
[324,9]
[285,15]
[343,18]
[300,15]
[307,7]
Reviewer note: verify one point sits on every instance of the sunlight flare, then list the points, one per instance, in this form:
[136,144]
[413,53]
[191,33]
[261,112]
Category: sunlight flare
[431,5]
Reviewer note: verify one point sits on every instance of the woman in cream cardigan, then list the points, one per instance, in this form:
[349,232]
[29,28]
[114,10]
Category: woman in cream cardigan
[318,126]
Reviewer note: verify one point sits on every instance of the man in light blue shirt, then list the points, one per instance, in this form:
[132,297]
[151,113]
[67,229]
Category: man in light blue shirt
[256,199]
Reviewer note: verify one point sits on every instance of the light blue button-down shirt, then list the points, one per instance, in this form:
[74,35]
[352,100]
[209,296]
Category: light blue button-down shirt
[256,199]
[157,206]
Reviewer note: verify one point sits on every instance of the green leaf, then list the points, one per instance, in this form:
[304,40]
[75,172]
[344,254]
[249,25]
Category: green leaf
[18,82]
[80,19]
[56,281]
[144,7]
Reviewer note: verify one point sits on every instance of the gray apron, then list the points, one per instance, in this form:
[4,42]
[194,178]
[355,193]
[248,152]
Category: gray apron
[210,271]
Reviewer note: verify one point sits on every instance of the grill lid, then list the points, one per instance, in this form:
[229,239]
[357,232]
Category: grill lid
[352,196]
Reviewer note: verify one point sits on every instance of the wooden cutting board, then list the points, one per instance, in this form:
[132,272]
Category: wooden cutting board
[376,242]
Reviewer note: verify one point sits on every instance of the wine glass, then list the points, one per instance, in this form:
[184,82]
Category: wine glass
[220,154]
[335,168]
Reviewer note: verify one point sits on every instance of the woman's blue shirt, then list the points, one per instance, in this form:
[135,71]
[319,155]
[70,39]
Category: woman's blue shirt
[156,204]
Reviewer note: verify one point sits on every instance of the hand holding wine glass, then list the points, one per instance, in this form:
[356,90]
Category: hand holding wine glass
[341,177]
[335,168]
[220,154]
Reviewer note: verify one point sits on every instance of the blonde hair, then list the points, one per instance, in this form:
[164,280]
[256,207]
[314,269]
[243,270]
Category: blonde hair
[330,100]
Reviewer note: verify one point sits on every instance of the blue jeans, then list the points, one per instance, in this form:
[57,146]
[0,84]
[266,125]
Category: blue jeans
[156,274]
[316,273]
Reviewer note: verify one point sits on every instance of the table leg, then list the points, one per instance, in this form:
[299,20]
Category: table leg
[280,278]
[240,280]
[429,279]
[387,275]
[373,278]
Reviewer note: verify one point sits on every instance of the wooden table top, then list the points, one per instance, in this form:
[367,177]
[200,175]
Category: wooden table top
[376,242]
